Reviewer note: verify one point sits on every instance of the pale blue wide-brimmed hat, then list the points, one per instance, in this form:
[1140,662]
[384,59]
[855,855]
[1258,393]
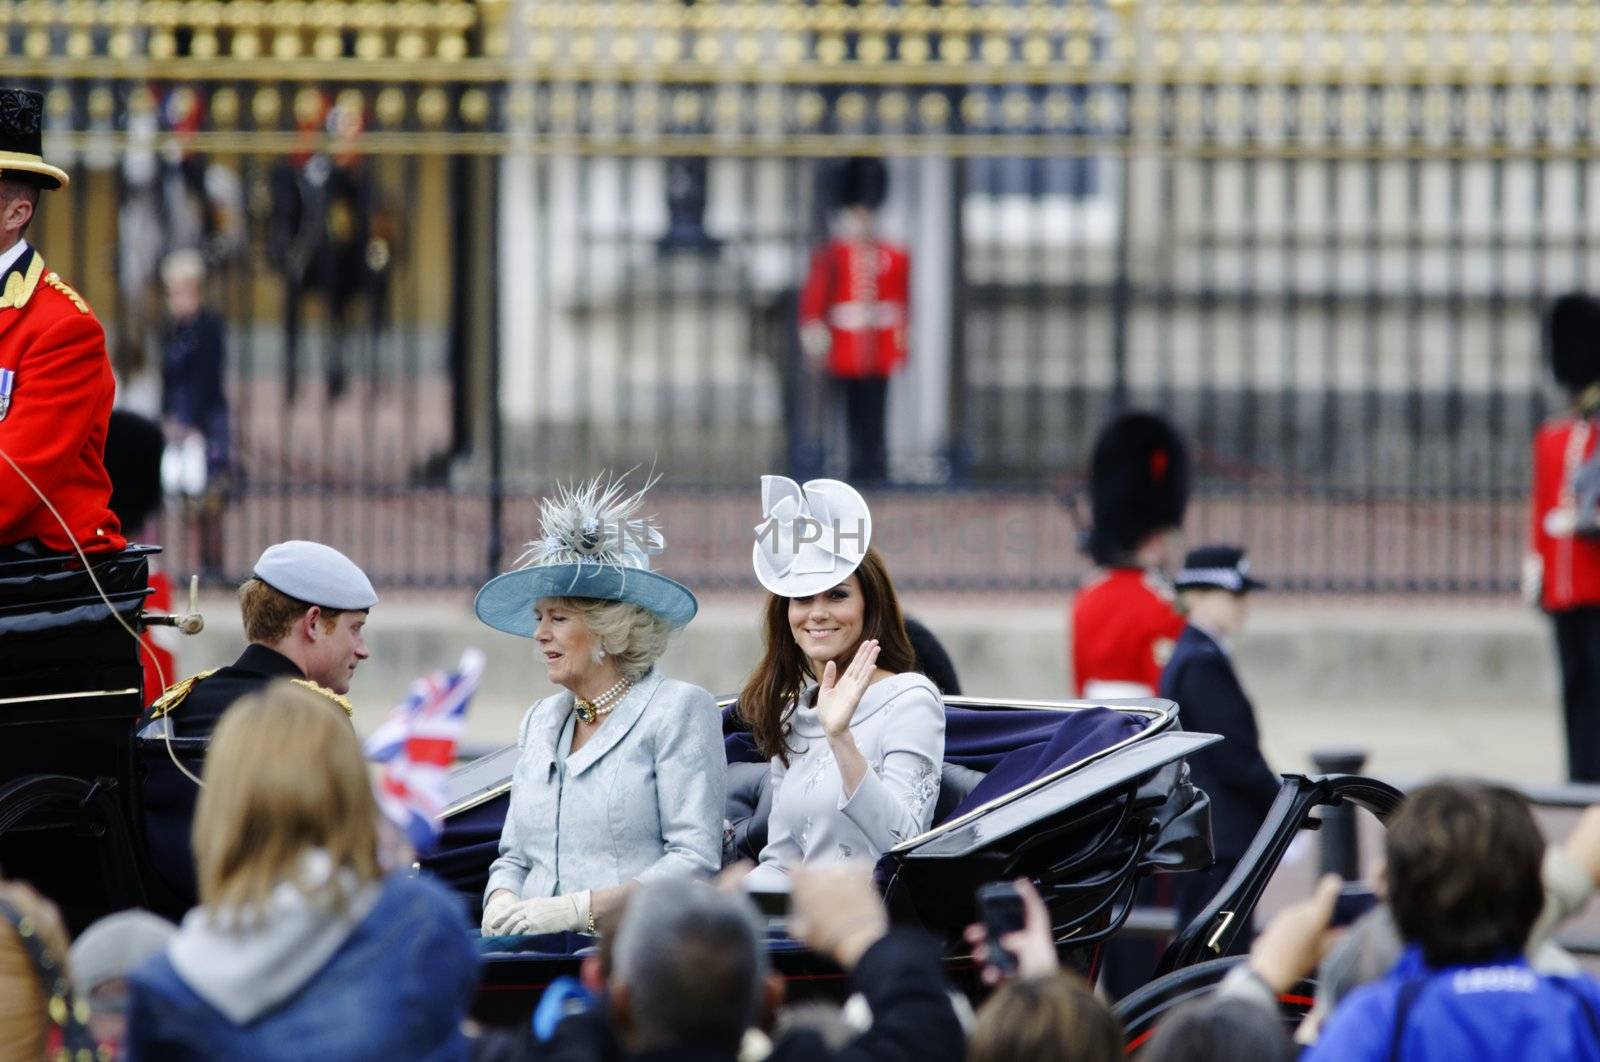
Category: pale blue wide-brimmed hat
[592,544]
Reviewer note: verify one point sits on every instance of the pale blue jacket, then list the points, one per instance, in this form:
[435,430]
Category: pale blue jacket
[642,799]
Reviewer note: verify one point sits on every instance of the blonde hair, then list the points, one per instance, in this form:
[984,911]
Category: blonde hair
[183,267]
[284,775]
[631,635]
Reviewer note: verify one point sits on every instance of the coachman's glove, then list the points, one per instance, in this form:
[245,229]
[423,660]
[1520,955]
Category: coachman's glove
[543,914]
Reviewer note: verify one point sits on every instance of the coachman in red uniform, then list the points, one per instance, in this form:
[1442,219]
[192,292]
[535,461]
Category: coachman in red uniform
[853,313]
[56,385]
[1124,623]
[1563,565]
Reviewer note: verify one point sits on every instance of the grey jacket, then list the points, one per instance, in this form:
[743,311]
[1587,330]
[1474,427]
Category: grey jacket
[643,798]
[899,728]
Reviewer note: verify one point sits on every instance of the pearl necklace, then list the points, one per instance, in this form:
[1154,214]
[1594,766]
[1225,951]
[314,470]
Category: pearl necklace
[589,711]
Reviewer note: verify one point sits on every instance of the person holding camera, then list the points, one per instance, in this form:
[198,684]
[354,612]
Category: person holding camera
[1562,570]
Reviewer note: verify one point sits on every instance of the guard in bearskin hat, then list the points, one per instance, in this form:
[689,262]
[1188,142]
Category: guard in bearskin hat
[854,309]
[56,385]
[1124,623]
[1562,571]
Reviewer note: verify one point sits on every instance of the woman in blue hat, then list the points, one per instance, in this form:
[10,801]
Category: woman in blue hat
[622,776]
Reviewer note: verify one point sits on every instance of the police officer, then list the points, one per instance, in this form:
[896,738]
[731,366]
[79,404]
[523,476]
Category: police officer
[56,385]
[304,611]
[1124,622]
[1214,586]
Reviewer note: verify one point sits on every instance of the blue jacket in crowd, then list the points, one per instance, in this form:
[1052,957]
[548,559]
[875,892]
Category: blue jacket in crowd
[397,987]
[1483,1013]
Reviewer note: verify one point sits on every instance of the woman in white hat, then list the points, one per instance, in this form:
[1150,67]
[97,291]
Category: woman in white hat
[855,734]
[622,776]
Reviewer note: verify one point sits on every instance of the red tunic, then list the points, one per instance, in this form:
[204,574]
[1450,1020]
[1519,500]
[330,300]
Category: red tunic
[1123,628]
[157,641]
[55,425]
[860,289]
[1570,565]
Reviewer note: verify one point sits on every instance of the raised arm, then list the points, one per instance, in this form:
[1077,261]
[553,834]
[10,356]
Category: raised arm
[894,799]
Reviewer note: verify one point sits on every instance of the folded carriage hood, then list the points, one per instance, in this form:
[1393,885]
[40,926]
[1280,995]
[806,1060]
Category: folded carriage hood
[1001,819]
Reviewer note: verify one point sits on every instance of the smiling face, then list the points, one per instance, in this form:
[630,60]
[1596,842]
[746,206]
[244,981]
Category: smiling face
[829,625]
[564,642]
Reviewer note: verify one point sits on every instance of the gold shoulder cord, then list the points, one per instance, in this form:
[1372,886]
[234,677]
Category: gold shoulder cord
[175,694]
[55,281]
[337,698]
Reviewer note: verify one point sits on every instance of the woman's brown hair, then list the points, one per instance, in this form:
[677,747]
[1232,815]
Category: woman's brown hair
[1046,1019]
[284,775]
[777,682]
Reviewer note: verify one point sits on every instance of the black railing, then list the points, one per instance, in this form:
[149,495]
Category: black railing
[1318,238]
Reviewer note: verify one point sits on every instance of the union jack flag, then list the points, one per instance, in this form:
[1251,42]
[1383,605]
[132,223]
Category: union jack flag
[417,746]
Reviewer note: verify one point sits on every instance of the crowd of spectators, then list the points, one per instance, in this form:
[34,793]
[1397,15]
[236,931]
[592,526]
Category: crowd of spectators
[309,945]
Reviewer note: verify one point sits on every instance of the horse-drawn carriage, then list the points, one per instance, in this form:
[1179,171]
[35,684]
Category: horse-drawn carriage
[1087,799]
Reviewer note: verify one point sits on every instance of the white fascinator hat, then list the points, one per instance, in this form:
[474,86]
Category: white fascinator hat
[810,537]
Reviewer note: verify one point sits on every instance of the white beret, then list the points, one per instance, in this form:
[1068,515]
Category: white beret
[316,574]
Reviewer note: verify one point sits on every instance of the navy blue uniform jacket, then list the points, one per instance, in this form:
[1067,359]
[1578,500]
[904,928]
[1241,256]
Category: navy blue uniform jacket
[1233,773]
[168,796]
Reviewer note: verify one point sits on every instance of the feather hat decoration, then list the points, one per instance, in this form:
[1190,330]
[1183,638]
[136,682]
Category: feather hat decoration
[593,543]
[595,522]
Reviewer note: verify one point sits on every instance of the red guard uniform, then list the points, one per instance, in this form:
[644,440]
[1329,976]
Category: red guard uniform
[1570,565]
[860,290]
[1124,626]
[156,657]
[1568,570]
[53,424]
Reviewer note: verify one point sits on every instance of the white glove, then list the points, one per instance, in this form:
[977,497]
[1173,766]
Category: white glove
[546,914]
[501,901]
[1532,578]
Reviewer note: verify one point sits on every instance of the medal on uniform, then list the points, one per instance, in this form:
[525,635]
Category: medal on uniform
[8,379]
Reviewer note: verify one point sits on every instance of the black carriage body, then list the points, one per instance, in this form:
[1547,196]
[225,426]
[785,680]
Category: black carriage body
[71,686]
[1086,832]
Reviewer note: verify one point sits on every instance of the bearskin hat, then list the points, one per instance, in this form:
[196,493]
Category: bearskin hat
[133,460]
[1139,484]
[1572,340]
[861,182]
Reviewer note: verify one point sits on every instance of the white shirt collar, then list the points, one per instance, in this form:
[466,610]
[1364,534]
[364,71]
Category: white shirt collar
[9,258]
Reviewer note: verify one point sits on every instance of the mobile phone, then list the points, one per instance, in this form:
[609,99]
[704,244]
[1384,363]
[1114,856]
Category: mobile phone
[1355,899]
[1000,910]
[771,904]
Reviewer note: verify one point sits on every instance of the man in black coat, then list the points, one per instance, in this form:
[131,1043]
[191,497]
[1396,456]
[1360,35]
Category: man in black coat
[1215,584]
[304,611]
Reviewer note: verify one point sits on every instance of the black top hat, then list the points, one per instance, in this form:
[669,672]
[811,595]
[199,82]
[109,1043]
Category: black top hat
[133,461]
[1139,484]
[22,140]
[1572,340]
[861,182]
[1218,568]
